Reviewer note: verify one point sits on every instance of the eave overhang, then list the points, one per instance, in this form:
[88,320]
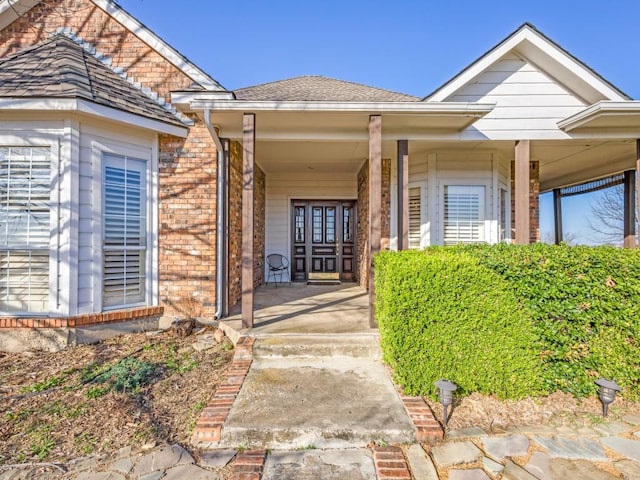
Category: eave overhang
[604,116]
[334,120]
[85,107]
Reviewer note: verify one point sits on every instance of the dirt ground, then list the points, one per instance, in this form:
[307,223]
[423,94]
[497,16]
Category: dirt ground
[60,406]
[558,409]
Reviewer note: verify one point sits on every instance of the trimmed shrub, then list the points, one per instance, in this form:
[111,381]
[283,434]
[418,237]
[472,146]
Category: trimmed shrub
[585,304]
[443,315]
[494,319]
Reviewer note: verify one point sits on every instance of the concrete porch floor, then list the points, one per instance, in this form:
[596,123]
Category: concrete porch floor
[305,309]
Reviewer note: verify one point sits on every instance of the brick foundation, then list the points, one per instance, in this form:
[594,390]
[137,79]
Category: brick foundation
[82,320]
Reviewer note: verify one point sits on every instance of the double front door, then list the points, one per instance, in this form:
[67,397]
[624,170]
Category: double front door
[324,240]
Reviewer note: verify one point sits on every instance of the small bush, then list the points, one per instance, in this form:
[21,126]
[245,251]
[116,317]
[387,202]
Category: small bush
[128,375]
[443,315]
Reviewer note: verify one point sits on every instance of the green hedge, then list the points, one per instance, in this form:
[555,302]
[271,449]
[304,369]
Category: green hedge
[443,315]
[565,315]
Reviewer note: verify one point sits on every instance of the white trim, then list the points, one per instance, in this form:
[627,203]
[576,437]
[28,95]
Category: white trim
[527,39]
[465,109]
[8,10]
[153,273]
[432,199]
[93,109]
[597,110]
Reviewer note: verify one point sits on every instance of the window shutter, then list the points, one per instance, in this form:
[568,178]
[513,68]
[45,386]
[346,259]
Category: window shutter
[25,191]
[463,214]
[125,231]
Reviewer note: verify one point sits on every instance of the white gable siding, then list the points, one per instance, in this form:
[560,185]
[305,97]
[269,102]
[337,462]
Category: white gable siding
[281,188]
[529,103]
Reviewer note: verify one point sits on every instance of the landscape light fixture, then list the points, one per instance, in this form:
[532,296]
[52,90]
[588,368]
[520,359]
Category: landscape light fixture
[607,393]
[445,396]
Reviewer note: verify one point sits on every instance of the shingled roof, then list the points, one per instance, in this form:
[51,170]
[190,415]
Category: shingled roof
[60,68]
[322,89]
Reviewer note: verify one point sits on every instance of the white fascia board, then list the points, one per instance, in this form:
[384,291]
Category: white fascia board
[10,10]
[599,109]
[417,108]
[90,108]
[159,45]
[537,41]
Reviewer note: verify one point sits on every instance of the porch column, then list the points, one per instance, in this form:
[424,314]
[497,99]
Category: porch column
[557,215]
[403,194]
[248,166]
[630,209]
[522,165]
[375,202]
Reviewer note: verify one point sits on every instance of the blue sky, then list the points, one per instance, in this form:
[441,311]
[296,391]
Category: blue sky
[407,46]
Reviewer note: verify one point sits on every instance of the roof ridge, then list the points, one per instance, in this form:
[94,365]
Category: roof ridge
[106,60]
[350,82]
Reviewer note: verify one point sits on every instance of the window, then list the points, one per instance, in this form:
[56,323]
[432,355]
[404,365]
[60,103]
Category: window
[25,189]
[464,214]
[125,231]
[503,215]
[415,218]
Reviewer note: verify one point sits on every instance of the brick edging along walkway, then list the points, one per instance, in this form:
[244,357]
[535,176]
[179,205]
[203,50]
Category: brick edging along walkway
[248,465]
[428,430]
[390,463]
[208,428]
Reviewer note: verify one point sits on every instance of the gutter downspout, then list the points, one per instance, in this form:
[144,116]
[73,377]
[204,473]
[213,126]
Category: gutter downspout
[221,215]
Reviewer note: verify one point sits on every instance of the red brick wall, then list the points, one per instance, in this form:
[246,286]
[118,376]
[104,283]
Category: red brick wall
[187,263]
[93,25]
[534,202]
[363,217]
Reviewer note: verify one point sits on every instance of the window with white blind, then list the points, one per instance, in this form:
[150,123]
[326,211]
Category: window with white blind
[25,190]
[415,218]
[464,214]
[125,231]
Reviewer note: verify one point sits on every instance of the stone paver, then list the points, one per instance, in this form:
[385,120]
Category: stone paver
[420,464]
[455,453]
[538,465]
[632,419]
[513,471]
[629,469]
[152,476]
[563,469]
[100,476]
[494,468]
[463,433]
[581,448]
[356,464]
[612,428]
[191,472]
[624,446]
[124,465]
[162,459]
[510,446]
[216,458]
[471,474]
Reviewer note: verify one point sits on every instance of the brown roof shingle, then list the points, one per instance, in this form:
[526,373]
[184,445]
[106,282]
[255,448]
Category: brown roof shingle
[318,88]
[60,68]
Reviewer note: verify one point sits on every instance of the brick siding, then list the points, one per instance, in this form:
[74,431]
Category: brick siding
[534,202]
[363,217]
[82,320]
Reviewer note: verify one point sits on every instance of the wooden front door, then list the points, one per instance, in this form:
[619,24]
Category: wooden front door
[324,240]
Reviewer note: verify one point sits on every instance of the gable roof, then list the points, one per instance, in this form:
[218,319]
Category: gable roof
[60,68]
[532,44]
[318,88]
[11,9]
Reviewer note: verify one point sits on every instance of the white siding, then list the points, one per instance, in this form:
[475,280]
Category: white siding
[281,188]
[529,103]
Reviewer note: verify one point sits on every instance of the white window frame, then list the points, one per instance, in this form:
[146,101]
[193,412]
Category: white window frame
[149,156]
[507,212]
[34,139]
[424,214]
[458,182]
